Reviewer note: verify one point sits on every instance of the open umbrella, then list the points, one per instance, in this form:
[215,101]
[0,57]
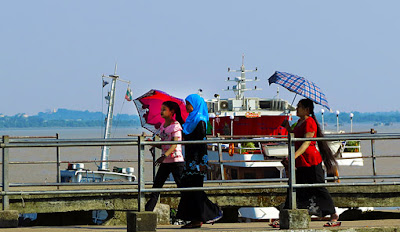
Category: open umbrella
[149,108]
[301,86]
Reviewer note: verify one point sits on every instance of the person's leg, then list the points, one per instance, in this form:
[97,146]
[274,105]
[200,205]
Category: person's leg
[177,171]
[324,199]
[161,176]
[196,201]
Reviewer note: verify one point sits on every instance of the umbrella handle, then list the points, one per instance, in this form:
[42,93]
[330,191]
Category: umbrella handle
[294,98]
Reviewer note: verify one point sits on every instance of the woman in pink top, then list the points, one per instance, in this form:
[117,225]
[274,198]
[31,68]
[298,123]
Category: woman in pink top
[171,160]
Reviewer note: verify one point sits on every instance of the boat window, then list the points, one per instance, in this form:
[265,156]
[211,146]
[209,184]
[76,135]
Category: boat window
[265,104]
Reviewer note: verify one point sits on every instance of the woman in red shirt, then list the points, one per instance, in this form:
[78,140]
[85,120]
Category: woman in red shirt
[309,160]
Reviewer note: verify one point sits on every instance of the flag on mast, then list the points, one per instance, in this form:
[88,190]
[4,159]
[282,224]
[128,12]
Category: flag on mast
[128,95]
[105,83]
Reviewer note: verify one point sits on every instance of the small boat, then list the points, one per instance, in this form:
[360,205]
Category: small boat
[78,173]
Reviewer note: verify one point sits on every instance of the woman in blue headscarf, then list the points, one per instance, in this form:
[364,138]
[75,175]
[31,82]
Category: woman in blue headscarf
[195,206]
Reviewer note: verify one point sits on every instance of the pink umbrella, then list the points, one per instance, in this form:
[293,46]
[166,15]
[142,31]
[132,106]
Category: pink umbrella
[149,108]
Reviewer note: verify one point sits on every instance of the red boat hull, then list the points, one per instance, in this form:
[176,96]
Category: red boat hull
[264,125]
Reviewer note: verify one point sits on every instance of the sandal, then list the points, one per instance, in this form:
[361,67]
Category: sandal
[333,224]
[190,225]
[274,224]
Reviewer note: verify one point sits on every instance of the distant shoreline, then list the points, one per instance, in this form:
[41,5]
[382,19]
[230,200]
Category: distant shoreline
[64,118]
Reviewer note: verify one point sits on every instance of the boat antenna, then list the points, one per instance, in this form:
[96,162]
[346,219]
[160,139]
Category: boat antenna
[241,80]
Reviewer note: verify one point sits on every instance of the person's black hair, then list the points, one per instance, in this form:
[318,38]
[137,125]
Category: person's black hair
[326,152]
[177,110]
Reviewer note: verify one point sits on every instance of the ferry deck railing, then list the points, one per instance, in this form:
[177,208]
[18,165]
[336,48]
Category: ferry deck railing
[8,143]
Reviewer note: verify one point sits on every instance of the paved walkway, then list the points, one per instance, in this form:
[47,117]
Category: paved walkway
[362,225]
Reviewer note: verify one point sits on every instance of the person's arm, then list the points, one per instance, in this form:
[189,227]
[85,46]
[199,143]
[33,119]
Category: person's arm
[304,145]
[286,125]
[167,153]
[172,147]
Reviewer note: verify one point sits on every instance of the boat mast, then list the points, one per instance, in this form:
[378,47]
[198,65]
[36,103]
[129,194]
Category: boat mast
[240,86]
[107,132]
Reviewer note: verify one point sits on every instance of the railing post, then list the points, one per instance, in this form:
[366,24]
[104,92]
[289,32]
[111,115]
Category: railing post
[157,153]
[221,165]
[5,180]
[292,172]
[373,154]
[58,161]
[141,198]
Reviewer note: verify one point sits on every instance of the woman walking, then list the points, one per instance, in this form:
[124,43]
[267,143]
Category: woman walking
[195,206]
[309,160]
[171,160]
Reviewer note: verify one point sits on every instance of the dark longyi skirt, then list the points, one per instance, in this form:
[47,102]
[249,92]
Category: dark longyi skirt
[318,201]
[195,206]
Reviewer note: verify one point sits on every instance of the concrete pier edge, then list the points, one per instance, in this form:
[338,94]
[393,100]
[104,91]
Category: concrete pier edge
[9,218]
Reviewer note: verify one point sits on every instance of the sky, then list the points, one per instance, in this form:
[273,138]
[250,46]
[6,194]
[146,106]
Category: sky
[54,53]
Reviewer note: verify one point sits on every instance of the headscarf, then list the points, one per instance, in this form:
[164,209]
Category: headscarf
[199,113]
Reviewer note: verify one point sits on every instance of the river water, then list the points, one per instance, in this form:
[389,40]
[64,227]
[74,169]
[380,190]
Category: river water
[34,173]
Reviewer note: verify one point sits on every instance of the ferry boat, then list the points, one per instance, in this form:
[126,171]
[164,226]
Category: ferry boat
[251,117]
[242,117]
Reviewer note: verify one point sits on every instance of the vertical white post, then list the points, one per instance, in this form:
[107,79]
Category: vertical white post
[212,117]
[337,120]
[232,117]
[351,122]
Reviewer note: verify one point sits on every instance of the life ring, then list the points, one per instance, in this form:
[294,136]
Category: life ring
[231,149]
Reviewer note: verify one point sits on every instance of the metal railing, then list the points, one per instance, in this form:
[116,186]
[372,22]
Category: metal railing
[8,143]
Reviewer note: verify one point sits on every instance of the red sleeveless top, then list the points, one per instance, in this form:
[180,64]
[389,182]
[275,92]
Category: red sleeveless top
[311,156]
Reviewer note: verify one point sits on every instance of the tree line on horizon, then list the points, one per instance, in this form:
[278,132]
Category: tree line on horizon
[75,118]
[66,118]
[380,117]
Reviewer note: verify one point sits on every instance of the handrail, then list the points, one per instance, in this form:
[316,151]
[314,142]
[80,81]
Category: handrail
[10,143]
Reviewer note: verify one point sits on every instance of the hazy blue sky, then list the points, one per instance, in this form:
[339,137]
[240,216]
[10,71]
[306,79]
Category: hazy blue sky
[53,53]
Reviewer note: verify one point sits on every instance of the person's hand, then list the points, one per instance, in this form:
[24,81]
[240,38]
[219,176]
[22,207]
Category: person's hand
[152,151]
[285,123]
[159,160]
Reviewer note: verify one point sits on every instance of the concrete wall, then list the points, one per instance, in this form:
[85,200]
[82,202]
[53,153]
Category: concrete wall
[354,196]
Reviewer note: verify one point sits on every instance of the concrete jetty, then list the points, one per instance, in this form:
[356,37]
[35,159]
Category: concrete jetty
[354,196]
[384,225]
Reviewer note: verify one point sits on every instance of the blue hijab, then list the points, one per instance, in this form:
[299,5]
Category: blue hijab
[199,113]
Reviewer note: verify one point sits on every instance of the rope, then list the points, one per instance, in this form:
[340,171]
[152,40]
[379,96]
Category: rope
[119,115]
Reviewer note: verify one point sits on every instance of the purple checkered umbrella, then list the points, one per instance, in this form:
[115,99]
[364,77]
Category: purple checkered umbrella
[301,86]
